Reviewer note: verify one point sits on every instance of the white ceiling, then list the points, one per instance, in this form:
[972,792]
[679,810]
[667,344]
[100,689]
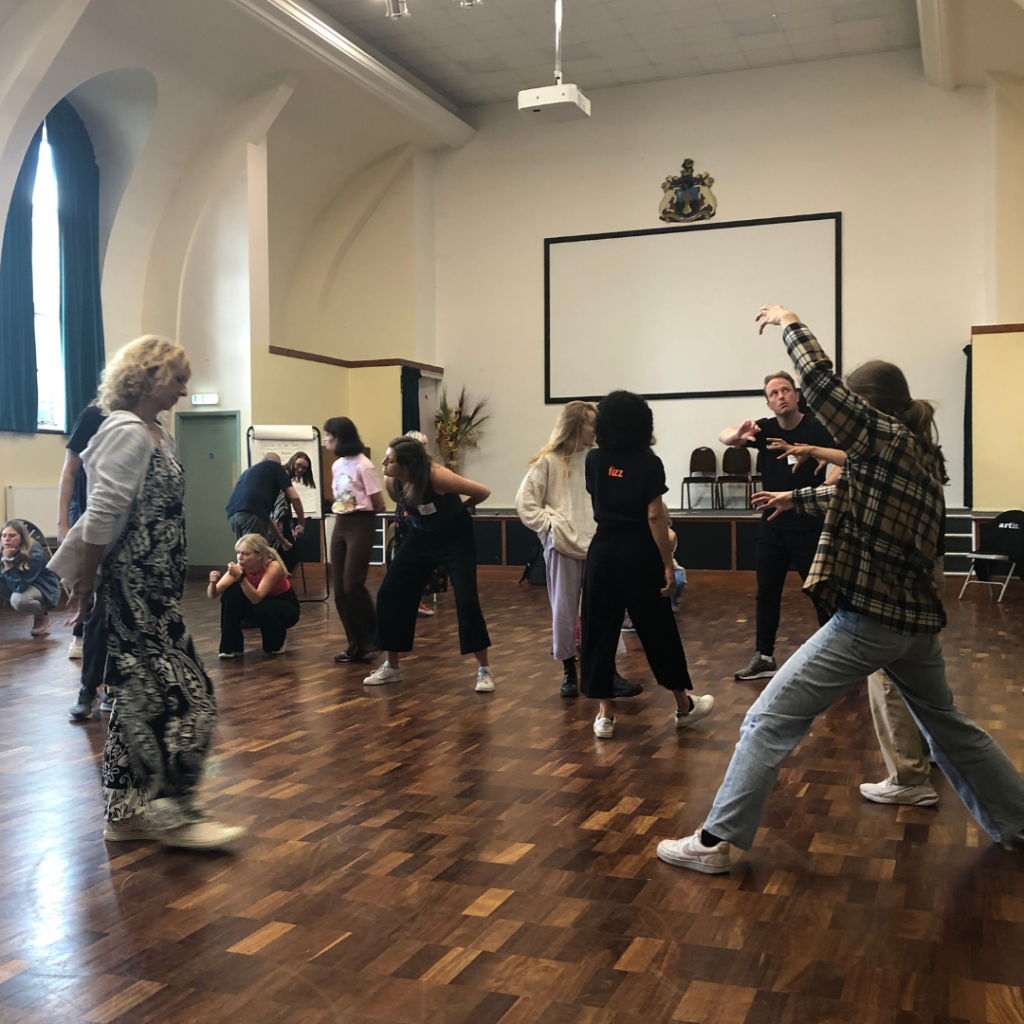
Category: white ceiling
[489,52]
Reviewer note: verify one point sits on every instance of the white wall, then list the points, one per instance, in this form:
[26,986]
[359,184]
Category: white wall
[907,165]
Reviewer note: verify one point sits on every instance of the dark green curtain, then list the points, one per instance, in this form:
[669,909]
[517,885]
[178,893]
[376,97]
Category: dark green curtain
[410,399]
[78,214]
[19,393]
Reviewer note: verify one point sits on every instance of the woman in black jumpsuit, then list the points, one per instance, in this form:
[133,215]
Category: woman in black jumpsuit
[441,535]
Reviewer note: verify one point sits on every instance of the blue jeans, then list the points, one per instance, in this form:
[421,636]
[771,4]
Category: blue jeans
[840,654]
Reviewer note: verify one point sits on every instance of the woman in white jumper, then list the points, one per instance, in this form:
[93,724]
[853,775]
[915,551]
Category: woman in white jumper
[554,503]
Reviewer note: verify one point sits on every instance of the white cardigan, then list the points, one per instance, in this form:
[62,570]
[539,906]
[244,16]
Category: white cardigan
[549,501]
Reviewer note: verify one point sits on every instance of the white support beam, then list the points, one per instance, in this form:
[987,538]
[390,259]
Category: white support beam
[934,22]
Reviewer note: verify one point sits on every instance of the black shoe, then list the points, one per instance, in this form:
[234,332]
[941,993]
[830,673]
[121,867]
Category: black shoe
[624,688]
[81,710]
[570,687]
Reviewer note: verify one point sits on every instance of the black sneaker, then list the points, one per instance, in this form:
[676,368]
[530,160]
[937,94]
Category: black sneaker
[570,687]
[81,710]
[760,667]
[624,688]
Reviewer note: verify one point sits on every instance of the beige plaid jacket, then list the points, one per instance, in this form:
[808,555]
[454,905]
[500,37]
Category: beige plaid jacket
[884,517]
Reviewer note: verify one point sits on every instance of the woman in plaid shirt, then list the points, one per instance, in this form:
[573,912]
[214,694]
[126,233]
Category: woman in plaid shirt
[874,569]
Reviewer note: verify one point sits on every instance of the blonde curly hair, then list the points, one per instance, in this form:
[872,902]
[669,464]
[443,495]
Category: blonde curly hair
[137,369]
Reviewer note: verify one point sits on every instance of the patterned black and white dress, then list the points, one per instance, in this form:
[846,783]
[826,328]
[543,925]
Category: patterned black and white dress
[161,729]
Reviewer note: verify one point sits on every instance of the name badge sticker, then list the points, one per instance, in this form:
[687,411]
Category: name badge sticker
[427,510]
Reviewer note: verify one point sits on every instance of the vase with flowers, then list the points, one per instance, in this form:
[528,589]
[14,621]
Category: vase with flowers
[458,427]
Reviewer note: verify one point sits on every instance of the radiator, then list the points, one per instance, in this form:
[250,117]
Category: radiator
[36,504]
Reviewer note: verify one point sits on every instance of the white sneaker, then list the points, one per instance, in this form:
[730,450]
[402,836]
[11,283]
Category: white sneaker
[384,674]
[889,792]
[202,835]
[230,654]
[75,650]
[701,709]
[134,829]
[484,680]
[281,649]
[604,728]
[693,854]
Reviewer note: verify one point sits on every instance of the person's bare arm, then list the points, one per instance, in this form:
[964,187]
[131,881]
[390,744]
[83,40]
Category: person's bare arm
[377,500]
[68,475]
[218,584]
[270,577]
[300,512]
[660,524]
[833,476]
[444,481]
[275,529]
[737,437]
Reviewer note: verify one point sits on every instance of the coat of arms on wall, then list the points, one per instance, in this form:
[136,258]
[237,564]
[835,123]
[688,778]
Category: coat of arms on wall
[688,196]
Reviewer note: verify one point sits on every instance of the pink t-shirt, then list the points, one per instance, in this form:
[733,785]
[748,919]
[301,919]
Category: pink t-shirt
[354,481]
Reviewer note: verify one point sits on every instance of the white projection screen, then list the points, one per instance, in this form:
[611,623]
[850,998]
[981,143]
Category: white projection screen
[669,312]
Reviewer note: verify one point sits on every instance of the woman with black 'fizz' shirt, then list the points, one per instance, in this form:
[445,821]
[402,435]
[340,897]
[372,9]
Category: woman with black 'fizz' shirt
[629,563]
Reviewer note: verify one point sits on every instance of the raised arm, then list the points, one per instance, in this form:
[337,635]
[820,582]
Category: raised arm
[444,481]
[737,437]
[858,429]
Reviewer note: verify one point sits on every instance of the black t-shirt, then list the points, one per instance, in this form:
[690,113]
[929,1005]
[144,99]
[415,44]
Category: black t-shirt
[257,489]
[777,474]
[622,485]
[82,433]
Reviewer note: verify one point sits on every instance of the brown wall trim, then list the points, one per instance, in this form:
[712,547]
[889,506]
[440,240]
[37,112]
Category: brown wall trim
[352,364]
[998,329]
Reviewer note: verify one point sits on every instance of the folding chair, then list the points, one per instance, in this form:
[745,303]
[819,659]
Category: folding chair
[1002,540]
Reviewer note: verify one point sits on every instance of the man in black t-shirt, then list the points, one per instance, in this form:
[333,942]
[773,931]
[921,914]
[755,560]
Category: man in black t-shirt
[251,505]
[789,537]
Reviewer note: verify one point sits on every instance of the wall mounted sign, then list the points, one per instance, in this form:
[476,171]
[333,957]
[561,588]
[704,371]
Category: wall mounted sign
[688,196]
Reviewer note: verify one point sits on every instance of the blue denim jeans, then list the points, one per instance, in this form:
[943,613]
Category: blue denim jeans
[840,654]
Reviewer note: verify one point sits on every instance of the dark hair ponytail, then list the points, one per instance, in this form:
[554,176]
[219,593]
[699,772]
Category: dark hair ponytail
[884,387]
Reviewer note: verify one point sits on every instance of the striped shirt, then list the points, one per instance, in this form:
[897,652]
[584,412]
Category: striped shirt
[883,518]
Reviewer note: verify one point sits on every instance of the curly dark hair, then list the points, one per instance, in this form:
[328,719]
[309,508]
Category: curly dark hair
[624,422]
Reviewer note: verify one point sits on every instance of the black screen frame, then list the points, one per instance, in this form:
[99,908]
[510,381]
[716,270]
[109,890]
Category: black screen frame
[835,216]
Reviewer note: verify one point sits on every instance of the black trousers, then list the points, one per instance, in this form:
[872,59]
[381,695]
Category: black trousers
[452,547]
[776,549]
[624,573]
[94,647]
[274,615]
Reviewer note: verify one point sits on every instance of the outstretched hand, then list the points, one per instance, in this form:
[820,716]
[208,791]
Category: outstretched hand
[777,316]
[800,453]
[747,430]
[779,501]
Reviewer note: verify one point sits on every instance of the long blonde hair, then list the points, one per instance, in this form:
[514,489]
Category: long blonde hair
[566,438]
[257,545]
[22,561]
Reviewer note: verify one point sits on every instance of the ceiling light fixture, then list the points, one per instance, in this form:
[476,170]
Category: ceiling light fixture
[558,102]
[396,9]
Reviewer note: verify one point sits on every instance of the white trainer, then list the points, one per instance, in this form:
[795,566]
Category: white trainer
[484,680]
[202,835]
[693,854]
[75,650]
[384,674]
[604,728]
[132,830]
[701,709]
[889,792]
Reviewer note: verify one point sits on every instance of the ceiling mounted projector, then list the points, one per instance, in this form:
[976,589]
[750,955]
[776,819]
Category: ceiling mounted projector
[550,104]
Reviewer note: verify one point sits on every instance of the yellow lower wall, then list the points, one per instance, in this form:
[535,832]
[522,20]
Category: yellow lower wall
[997,374]
[31,460]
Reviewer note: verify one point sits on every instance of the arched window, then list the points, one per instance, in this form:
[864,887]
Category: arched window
[51,326]
[46,293]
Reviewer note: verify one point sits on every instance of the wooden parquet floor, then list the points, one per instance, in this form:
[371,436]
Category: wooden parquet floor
[424,854]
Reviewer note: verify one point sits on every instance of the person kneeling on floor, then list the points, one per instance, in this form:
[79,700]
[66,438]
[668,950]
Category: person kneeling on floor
[254,589]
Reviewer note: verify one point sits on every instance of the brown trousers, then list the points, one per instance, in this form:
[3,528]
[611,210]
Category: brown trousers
[351,547]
